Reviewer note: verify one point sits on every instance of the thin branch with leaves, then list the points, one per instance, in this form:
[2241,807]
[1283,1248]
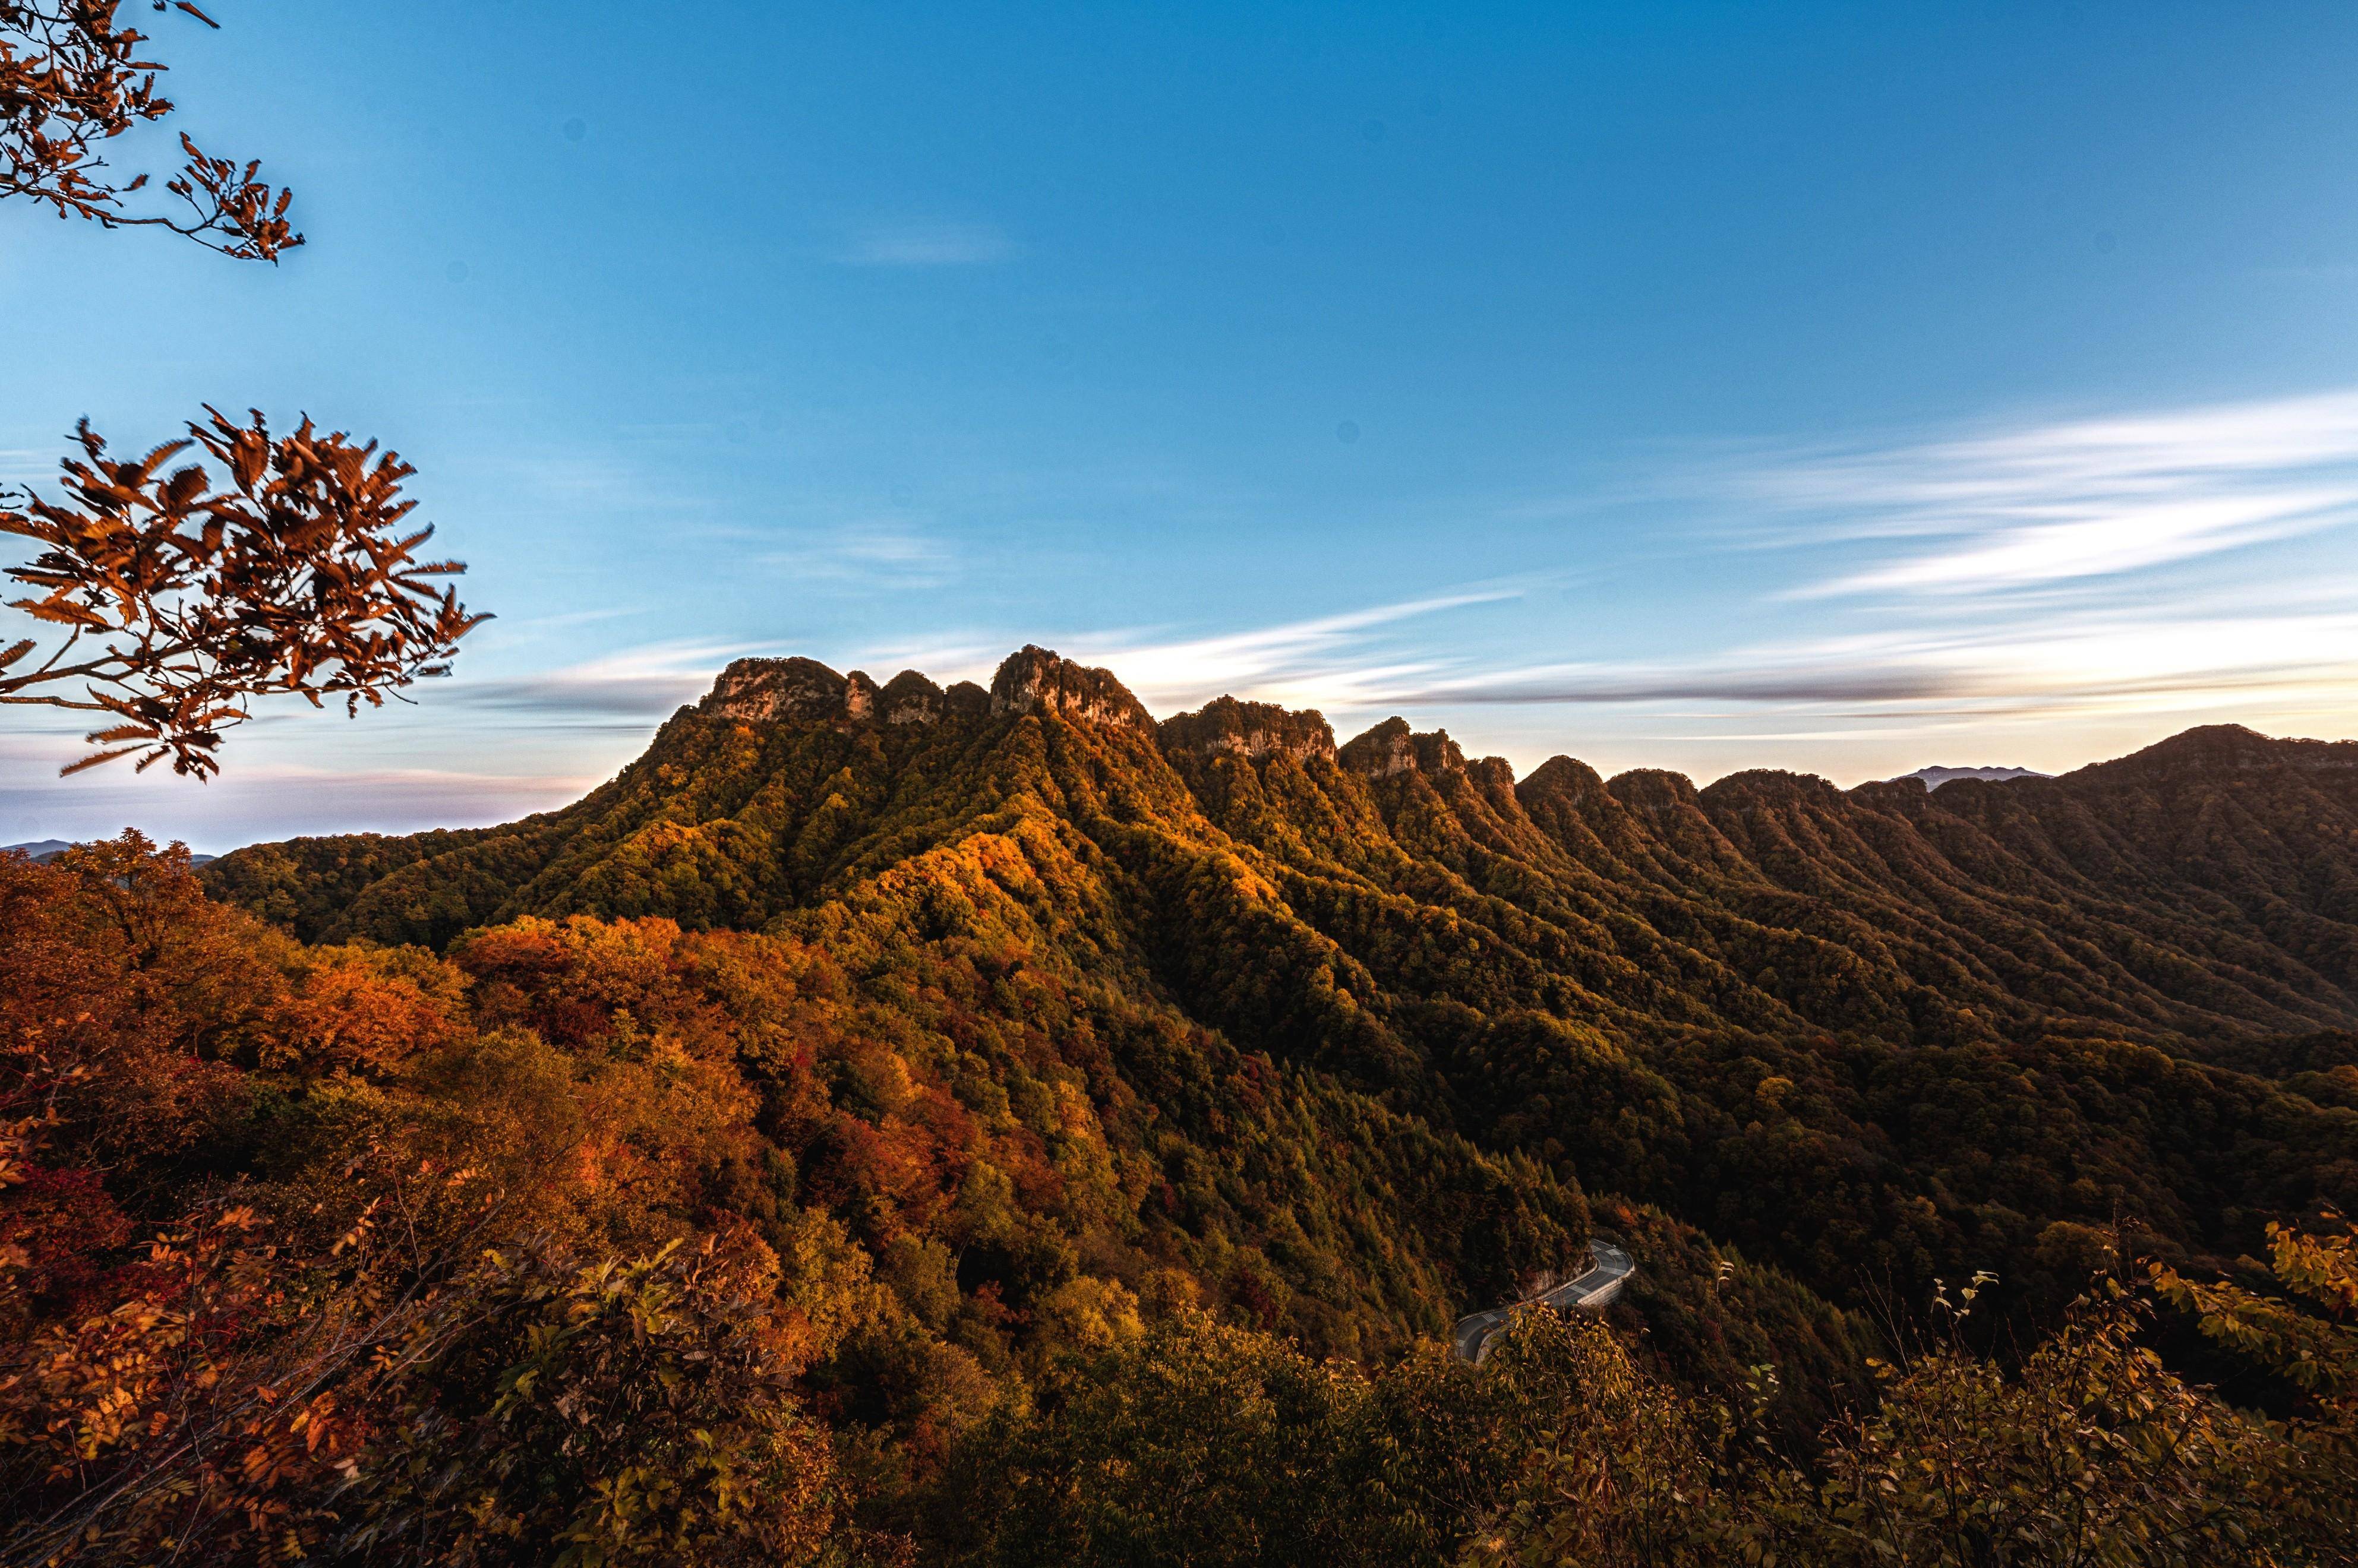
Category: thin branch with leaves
[181,599]
[72,78]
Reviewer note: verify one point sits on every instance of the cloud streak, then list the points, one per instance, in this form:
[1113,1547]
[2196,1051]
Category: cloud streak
[2073,501]
[629,689]
[1333,662]
[2097,662]
[875,553]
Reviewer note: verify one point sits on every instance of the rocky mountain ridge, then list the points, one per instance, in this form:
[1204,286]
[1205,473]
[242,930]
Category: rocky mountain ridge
[1933,778]
[2204,887]
[1876,1029]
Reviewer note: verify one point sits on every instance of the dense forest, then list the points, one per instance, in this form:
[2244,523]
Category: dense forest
[907,1124]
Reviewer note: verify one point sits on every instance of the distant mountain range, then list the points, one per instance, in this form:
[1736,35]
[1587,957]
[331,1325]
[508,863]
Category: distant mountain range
[1935,777]
[51,849]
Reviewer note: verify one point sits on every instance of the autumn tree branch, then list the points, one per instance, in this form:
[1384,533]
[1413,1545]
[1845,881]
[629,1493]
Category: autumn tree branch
[297,574]
[72,78]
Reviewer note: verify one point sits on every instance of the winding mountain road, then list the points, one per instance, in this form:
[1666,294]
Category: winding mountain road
[1599,1285]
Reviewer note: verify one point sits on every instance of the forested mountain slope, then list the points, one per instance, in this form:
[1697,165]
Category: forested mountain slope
[2204,889]
[1877,1031]
[970,1126]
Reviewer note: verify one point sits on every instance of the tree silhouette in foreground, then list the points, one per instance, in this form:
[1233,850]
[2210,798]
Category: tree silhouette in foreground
[180,602]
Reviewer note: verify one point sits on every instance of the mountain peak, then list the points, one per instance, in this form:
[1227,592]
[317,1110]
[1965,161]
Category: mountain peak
[1934,777]
[1575,784]
[1770,786]
[1252,729]
[1039,678]
[767,689]
[2231,748]
[1392,747]
[1652,789]
[910,699]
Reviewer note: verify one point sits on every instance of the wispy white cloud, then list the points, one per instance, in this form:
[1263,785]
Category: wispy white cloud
[926,244]
[2070,501]
[568,618]
[1332,662]
[2097,662]
[631,685]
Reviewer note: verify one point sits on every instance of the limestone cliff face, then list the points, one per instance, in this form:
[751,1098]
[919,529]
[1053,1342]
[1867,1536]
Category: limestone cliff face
[910,699]
[1391,748]
[1225,726]
[775,691]
[1038,680]
[767,690]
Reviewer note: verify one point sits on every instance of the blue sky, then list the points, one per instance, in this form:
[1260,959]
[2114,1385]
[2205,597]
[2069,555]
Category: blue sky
[1839,388]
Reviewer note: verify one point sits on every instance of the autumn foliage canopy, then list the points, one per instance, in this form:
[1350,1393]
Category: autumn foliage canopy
[604,1242]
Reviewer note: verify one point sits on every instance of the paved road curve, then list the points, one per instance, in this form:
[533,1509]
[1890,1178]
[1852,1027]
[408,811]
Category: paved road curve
[1593,1289]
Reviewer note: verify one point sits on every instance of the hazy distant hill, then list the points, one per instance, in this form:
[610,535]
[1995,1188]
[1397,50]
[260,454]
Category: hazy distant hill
[1935,777]
[49,848]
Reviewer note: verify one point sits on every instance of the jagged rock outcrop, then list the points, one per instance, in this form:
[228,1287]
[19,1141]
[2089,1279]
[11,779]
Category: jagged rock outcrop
[778,691]
[910,699]
[1037,679]
[1391,748]
[1225,726]
[771,690]
[2204,887]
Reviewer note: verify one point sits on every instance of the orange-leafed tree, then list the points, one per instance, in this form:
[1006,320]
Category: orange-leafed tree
[177,598]
[180,596]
